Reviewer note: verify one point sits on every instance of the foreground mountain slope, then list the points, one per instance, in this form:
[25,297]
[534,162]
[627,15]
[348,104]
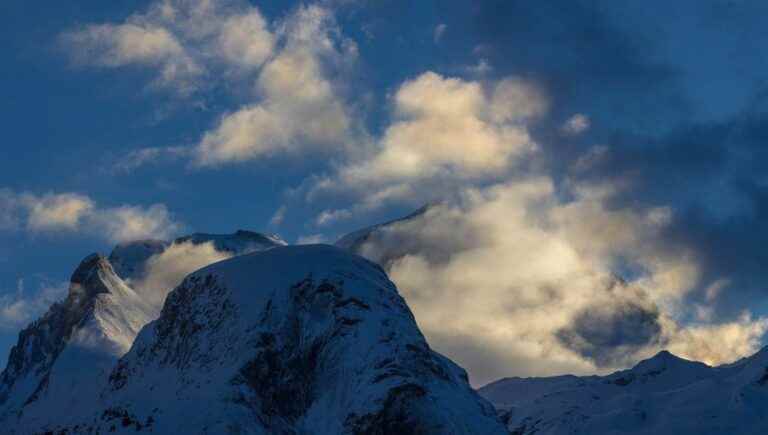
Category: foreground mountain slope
[661,395]
[63,360]
[294,340]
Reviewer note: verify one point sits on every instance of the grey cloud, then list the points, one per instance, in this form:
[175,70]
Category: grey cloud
[611,334]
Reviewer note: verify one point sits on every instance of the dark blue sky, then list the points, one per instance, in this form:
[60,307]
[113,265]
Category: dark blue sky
[674,93]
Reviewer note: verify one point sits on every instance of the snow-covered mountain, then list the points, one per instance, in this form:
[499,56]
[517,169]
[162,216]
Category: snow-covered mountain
[63,360]
[661,395]
[291,340]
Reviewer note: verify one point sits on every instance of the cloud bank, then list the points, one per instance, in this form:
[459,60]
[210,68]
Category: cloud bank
[532,279]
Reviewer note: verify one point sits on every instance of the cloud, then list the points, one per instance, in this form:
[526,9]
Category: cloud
[445,131]
[19,308]
[184,41]
[439,31]
[610,333]
[71,212]
[56,211]
[8,210]
[165,271]
[311,239]
[718,343]
[576,124]
[328,217]
[245,39]
[296,64]
[299,109]
[138,43]
[534,274]
[279,216]
[138,158]
[126,223]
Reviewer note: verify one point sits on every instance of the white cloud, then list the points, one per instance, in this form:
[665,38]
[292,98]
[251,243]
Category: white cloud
[529,278]
[9,209]
[576,124]
[311,239]
[19,308]
[328,217]
[718,343]
[296,64]
[143,156]
[245,39]
[166,270]
[184,41]
[126,223]
[56,211]
[445,132]
[71,212]
[137,43]
[440,29]
[299,109]
[482,67]
[451,124]
[279,216]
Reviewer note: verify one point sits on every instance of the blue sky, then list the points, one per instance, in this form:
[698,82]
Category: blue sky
[113,112]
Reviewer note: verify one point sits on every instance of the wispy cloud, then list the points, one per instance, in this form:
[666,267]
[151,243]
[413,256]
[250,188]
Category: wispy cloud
[21,307]
[439,31]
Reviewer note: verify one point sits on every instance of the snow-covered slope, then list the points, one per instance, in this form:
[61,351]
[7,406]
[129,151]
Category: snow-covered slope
[661,395]
[63,360]
[293,340]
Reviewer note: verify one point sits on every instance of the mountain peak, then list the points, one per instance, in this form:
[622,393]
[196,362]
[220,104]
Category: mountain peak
[88,279]
[665,360]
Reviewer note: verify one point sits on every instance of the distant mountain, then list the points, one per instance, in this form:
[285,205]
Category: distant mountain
[661,395]
[63,360]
